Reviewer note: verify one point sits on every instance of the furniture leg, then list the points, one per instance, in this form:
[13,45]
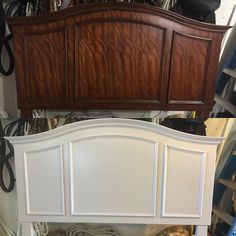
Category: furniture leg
[204,115]
[26,113]
[201,230]
[27,229]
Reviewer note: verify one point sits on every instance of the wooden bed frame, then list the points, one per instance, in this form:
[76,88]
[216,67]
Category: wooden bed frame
[115,55]
[115,171]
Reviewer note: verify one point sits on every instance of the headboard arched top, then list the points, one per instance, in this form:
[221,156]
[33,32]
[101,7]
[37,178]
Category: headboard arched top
[120,124]
[115,171]
[115,6]
[115,56]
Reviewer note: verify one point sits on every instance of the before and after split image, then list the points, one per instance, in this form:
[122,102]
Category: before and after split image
[117,117]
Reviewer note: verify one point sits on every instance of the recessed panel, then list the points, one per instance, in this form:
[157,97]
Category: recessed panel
[44,181]
[183,182]
[188,69]
[118,61]
[113,175]
[46,60]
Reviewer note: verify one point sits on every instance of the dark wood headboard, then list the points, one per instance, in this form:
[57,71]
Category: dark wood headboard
[115,56]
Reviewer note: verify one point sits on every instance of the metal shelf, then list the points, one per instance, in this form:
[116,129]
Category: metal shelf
[222,215]
[226,104]
[228,183]
[230,72]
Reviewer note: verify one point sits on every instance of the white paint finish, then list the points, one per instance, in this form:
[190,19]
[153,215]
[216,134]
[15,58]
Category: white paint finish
[201,230]
[114,175]
[91,151]
[183,182]
[116,220]
[116,124]
[44,181]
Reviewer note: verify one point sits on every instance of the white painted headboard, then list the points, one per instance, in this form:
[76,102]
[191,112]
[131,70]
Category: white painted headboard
[115,171]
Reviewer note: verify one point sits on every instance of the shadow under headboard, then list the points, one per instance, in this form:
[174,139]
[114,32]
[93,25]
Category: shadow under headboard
[115,55]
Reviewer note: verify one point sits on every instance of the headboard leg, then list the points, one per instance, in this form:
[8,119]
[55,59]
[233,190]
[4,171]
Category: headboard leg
[26,113]
[201,230]
[27,229]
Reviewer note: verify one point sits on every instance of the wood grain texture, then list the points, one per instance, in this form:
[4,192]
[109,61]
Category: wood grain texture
[46,68]
[189,67]
[115,56]
[118,61]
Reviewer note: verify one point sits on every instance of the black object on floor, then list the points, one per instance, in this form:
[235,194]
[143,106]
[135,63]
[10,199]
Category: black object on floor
[201,10]
[187,125]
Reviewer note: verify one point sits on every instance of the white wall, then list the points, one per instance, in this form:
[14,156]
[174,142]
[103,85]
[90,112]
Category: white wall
[222,18]
[223,13]
[8,95]
[8,100]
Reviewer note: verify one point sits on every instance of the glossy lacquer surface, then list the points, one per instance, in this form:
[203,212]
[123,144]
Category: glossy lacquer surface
[115,56]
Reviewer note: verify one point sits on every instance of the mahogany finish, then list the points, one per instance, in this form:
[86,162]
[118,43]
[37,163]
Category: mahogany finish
[115,56]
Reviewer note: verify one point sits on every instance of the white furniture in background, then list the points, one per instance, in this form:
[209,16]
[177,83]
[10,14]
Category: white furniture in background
[115,171]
